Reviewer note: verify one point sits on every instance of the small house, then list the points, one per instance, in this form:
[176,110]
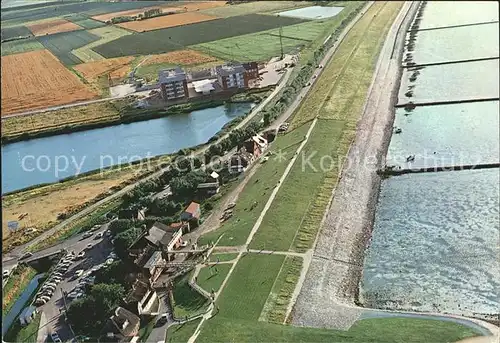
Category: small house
[192,214]
[125,322]
[240,161]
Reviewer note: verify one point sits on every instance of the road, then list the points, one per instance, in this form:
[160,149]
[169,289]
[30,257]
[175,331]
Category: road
[11,257]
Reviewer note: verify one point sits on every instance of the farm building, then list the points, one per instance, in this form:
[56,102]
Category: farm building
[235,75]
[173,83]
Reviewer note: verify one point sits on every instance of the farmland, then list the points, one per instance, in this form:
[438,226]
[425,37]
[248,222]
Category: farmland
[264,45]
[134,12]
[171,39]
[20,45]
[106,34]
[84,21]
[166,21]
[51,27]
[253,7]
[117,68]
[37,79]
[61,44]
[16,31]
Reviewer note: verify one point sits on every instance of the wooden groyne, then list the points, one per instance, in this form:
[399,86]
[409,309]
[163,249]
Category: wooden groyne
[412,105]
[414,65]
[453,26]
[395,172]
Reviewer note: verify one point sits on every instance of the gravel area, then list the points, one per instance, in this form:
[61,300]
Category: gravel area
[327,298]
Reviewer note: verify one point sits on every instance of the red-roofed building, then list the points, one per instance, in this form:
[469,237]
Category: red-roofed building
[192,214]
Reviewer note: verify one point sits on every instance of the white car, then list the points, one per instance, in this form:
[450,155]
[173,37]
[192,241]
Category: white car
[99,235]
[45,298]
[109,261]
[112,255]
[40,302]
[81,254]
[87,234]
[108,233]
[55,338]
[79,272]
[6,273]
[89,246]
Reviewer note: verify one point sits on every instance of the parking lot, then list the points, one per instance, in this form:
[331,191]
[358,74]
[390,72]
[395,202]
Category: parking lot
[77,272]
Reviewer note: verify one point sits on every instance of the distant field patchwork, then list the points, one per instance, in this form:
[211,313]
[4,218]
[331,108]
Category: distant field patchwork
[106,34]
[252,7]
[37,79]
[20,45]
[61,44]
[53,26]
[84,21]
[264,45]
[115,67]
[129,13]
[166,21]
[15,31]
[176,38]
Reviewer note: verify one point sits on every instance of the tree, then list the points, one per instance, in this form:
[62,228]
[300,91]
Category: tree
[117,272]
[164,207]
[123,241]
[107,296]
[120,225]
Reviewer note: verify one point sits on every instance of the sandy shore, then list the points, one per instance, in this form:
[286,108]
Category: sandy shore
[327,298]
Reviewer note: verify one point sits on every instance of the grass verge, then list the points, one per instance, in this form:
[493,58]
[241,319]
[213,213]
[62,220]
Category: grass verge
[145,330]
[16,284]
[284,286]
[23,334]
[211,277]
[187,301]
[386,330]
[248,288]
[222,257]
[181,333]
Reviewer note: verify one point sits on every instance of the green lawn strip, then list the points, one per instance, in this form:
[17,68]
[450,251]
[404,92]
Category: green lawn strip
[23,334]
[106,34]
[279,298]
[187,302]
[222,257]
[258,189]
[383,330]
[20,45]
[248,287]
[211,277]
[17,282]
[145,330]
[181,333]
[293,201]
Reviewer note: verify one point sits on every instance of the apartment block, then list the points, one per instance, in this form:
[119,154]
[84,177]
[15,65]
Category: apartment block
[173,84]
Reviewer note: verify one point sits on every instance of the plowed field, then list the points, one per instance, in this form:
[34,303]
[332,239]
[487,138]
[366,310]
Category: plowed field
[116,67]
[131,13]
[166,21]
[53,26]
[36,79]
[184,57]
[195,6]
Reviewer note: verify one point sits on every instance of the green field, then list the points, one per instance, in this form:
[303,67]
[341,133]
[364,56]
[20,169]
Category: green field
[16,284]
[254,196]
[209,278]
[222,257]
[253,7]
[15,31]
[387,330]
[187,302]
[299,190]
[177,38]
[264,45]
[246,291]
[61,44]
[84,21]
[20,45]
[181,333]
[106,34]
[24,334]
[281,294]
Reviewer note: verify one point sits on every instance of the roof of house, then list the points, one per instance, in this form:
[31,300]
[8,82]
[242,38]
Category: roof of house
[177,225]
[126,322]
[229,69]
[208,185]
[171,75]
[160,234]
[250,65]
[154,260]
[193,209]
[203,86]
[214,175]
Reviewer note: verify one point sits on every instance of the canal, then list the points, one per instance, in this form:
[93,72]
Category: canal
[53,158]
[435,239]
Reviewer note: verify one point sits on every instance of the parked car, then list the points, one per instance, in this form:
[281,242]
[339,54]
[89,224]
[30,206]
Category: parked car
[109,261]
[6,273]
[40,302]
[108,233]
[89,246]
[55,337]
[162,320]
[99,235]
[87,234]
[112,255]
[45,297]
[79,273]
[27,255]
[80,254]
[95,227]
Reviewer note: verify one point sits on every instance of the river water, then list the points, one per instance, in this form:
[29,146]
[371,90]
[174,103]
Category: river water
[53,158]
[435,241]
